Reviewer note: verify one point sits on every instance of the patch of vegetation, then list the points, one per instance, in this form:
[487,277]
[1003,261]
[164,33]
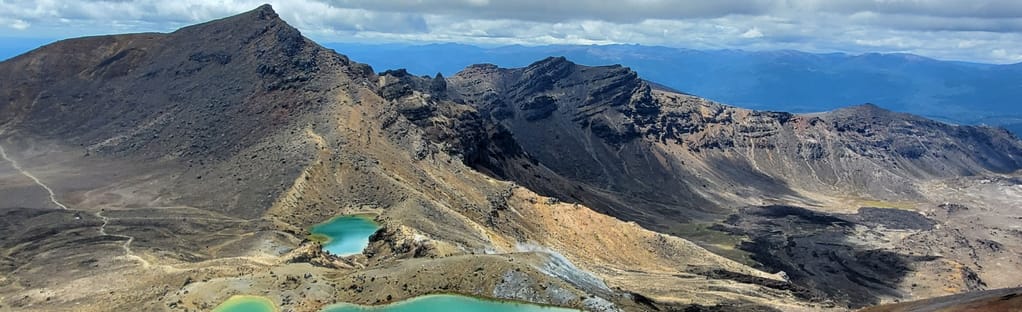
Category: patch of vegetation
[722,243]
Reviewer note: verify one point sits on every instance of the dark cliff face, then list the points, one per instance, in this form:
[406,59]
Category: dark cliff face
[582,131]
[424,103]
[610,101]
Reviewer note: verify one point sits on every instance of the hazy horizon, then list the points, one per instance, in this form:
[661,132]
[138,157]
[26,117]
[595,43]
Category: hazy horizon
[987,31]
[14,46]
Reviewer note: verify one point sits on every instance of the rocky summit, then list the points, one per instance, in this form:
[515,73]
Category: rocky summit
[170,172]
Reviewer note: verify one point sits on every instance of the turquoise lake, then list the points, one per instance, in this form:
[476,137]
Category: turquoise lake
[446,303]
[345,235]
[246,304]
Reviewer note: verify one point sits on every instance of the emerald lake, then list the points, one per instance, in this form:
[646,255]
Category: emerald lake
[345,235]
[446,303]
[246,304]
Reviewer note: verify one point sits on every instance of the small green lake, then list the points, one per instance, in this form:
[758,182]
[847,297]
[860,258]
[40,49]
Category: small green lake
[345,235]
[246,304]
[446,303]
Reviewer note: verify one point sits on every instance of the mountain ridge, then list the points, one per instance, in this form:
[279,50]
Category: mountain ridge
[630,111]
[965,93]
[208,152]
[575,144]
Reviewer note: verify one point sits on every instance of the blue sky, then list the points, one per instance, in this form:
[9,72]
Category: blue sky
[978,30]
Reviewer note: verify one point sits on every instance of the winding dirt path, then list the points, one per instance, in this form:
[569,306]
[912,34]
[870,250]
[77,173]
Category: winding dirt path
[53,196]
[128,239]
[127,243]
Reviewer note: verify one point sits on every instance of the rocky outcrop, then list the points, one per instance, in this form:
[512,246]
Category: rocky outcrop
[603,100]
[312,253]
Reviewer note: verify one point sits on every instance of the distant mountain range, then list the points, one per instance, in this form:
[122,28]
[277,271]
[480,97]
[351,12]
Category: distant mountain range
[793,81]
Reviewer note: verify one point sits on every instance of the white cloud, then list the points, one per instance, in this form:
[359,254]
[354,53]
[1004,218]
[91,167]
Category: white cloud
[19,24]
[752,33]
[962,30]
[1004,54]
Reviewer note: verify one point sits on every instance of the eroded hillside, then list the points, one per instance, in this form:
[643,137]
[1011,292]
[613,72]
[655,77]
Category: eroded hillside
[175,170]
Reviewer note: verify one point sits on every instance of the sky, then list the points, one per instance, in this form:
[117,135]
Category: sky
[987,31]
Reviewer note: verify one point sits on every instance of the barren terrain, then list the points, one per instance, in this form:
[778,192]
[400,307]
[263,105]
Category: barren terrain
[168,172]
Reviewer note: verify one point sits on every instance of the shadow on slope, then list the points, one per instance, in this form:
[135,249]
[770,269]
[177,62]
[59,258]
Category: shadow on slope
[817,250]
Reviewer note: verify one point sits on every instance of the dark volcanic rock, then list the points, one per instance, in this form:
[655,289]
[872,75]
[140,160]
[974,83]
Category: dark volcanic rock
[539,107]
[813,249]
[798,291]
[893,218]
